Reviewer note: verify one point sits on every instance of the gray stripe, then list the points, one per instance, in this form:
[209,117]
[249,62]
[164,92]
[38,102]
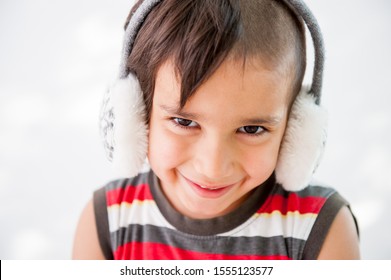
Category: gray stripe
[128,182]
[261,246]
[102,222]
[315,191]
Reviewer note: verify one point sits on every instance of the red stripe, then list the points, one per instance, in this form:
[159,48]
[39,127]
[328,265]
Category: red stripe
[293,202]
[156,251]
[128,194]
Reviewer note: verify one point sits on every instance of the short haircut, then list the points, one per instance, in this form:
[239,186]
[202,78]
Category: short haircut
[199,35]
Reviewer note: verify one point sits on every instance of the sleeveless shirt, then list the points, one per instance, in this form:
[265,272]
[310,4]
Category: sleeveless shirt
[135,220]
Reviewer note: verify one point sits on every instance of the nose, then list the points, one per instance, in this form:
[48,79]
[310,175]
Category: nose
[214,158]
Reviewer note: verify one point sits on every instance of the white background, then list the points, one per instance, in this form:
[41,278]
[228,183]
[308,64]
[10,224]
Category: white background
[57,58]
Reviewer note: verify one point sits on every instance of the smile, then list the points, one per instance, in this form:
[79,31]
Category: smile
[210,188]
[209,191]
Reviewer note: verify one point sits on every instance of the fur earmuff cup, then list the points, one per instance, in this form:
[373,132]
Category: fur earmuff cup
[303,144]
[130,135]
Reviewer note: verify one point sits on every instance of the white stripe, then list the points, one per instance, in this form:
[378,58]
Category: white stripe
[139,212]
[293,224]
[146,212]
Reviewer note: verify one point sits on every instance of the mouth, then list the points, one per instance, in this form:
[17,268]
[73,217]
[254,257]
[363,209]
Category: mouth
[209,191]
[209,188]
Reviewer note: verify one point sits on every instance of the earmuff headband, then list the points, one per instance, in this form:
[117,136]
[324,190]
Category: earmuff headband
[305,13]
[299,7]
[134,25]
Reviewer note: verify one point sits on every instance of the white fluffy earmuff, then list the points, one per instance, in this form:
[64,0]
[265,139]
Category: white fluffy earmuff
[125,134]
[303,143]
[130,130]
[124,127]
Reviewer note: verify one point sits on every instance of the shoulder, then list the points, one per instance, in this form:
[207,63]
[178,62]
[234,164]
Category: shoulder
[111,206]
[333,231]
[334,234]
[342,240]
[92,237]
[86,243]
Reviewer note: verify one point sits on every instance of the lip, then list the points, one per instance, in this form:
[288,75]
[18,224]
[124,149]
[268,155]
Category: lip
[208,191]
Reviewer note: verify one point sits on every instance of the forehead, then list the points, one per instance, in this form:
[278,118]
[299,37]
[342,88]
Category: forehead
[235,88]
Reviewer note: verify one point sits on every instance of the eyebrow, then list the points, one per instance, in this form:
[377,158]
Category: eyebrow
[177,111]
[269,120]
[272,120]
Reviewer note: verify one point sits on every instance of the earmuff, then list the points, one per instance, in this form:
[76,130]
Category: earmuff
[125,134]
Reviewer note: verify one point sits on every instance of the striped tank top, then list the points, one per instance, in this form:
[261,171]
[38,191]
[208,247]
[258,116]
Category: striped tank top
[135,221]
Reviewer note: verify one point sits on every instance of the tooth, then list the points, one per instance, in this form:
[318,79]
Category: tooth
[207,188]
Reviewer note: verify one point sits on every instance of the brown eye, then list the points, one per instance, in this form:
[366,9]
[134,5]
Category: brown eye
[184,122]
[252,129]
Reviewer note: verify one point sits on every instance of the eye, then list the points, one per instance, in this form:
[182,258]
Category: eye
[252,129]
[184,122]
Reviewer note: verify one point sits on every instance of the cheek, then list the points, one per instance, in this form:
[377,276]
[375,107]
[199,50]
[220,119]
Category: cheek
[260,162]
[165,150]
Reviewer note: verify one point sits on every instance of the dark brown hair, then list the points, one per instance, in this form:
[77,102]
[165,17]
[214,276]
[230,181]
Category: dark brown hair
[199,35]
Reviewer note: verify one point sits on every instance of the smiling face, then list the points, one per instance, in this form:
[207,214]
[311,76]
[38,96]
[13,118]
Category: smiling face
[223,143]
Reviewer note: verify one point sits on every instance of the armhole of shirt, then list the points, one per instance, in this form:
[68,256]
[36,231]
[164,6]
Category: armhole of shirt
[102,222]
[322,225]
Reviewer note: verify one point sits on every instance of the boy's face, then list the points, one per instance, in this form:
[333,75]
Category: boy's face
[225,142]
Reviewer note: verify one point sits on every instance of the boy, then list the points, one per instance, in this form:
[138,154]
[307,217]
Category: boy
[218,79]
